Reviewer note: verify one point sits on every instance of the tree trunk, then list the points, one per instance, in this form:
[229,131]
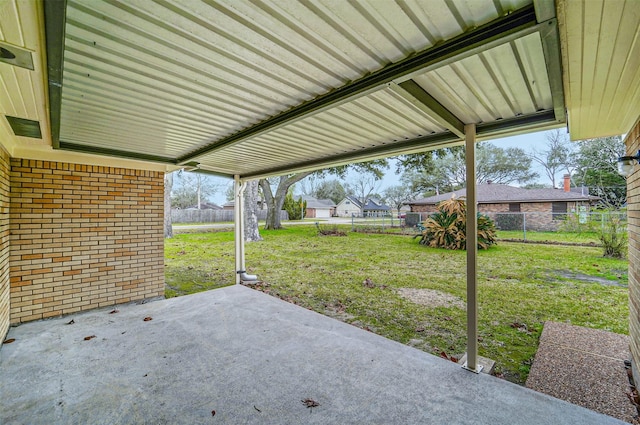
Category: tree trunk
[168,184]
[273,216]
[275,203]
[251,229]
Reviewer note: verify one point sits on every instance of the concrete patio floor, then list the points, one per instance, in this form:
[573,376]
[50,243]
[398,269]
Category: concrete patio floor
[252,359]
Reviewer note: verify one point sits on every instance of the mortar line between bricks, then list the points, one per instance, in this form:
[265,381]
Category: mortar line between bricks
[584,351]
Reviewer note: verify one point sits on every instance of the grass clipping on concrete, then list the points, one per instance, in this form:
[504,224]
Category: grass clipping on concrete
[391,285]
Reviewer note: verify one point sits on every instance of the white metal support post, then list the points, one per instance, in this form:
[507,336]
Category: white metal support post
[472,251]
[238,221]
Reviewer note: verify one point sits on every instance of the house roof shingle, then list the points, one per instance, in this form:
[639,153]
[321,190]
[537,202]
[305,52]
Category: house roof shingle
[502,193]
[371,205]
[205,206]
[318,203]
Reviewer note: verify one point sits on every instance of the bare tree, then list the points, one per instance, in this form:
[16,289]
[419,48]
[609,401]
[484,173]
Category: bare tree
[362,188]
[309,185]
[193,188]
[168,184]
[556,157]
[397,196]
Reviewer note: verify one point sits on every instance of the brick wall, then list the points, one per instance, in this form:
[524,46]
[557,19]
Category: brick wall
[632,143]
[539,216]
[4,244]
[423,208]
[83,237]
[487,208]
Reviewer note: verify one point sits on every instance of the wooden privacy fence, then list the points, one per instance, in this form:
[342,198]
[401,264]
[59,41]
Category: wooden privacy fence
[213,216]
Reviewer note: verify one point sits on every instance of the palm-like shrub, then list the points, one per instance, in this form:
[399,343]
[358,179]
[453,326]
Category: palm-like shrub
[447,228]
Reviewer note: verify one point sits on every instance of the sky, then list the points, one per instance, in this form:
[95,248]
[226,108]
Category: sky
[525,141]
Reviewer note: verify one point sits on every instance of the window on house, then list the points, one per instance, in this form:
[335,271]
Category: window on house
[514,207]
[559,210]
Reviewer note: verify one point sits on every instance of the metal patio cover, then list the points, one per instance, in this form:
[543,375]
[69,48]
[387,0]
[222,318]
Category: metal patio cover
[260,88]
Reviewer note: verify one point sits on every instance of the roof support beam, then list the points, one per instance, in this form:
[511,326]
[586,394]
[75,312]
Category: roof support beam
[497,32]
[414,93]
[472,251]
[114,152]
[546,15]
[435,141]
[551,48]
[55,18]
[419,144]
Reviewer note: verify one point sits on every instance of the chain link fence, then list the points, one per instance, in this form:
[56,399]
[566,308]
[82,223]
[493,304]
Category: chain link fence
[382,224]
[213,216]
[574,222]
[556,222]
[524,222]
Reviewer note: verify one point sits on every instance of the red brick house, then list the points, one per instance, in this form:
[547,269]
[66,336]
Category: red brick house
[544,208]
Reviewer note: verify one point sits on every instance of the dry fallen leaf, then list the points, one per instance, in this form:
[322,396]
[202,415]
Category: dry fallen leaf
[309,402]
[448,357]
[146,319]
[8,341]
[87,338]
[368,283]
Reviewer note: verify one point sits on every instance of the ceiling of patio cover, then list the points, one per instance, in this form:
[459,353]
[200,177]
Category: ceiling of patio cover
[258,88]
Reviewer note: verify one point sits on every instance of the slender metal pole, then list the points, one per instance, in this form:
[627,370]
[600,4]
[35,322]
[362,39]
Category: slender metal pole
[239,225]
[472,251]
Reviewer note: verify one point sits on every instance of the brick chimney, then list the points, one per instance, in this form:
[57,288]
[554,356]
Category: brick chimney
[567,182]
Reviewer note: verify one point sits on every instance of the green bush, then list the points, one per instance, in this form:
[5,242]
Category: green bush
[447,227]
[295,209]
[613,236]
[573,225]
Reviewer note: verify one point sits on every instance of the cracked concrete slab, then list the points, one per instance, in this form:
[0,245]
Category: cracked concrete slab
[251,358]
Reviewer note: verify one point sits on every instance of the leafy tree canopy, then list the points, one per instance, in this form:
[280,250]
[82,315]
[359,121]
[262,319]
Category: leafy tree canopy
[597,168]
[446,171]
[330,189]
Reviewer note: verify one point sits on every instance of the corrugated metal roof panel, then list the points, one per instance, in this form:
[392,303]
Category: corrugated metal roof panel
[503,82]
[380,118]
[221,66]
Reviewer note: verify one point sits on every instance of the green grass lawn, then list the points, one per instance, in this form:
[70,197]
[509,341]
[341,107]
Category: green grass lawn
[520,286]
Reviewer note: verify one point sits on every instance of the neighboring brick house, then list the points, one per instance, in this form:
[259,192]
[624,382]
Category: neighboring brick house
[544,208]
[352,207]
[319,208]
